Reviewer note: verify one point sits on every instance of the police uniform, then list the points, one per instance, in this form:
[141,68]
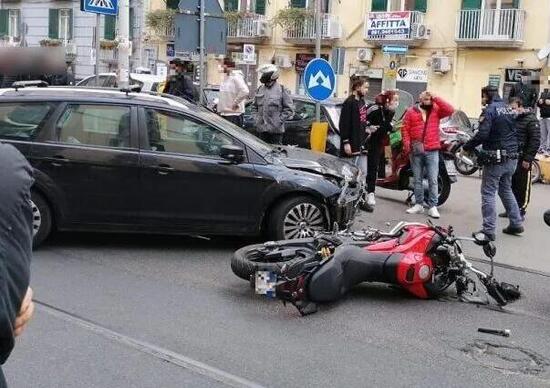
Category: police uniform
[499,159]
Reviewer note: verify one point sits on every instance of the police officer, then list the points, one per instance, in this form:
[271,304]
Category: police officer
[499,158]
[179,84]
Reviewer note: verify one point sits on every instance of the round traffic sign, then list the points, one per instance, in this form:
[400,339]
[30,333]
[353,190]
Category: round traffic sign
[319,79]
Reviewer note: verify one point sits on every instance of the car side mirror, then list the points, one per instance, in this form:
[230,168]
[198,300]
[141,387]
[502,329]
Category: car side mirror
[490,250]
[481,239]
[232,153]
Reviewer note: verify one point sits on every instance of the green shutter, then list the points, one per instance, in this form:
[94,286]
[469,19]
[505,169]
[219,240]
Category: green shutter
[471,4]
[260,7]
[172,4]
[379,5]
[53,24]
[421,5]
[231,5]
[132,23]
[516,4]
[298,3]
[109,28]
[4,18]
[70,24]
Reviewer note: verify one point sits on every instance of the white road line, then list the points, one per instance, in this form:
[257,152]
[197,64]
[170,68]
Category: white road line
[150,349]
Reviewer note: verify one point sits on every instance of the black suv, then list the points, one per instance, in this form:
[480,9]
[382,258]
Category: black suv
[106,160]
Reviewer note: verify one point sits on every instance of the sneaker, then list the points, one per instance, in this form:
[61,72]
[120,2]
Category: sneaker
[433,212]
[503,215]
[371,201]
[416,209]
[513,230]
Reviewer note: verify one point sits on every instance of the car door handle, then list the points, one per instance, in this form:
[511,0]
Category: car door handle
[57,160]
[164,169]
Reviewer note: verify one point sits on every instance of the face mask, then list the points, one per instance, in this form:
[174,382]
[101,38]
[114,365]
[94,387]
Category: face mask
[426,106]
[393,106]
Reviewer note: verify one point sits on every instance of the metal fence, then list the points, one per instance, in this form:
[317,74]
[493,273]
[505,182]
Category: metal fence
[490,25]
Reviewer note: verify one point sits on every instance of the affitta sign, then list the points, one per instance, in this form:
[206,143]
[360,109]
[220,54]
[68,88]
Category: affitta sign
[389,25]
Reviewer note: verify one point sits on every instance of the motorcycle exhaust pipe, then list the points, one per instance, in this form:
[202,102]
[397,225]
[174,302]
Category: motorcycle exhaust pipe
[503,333]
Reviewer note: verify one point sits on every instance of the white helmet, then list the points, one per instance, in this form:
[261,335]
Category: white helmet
[268,73]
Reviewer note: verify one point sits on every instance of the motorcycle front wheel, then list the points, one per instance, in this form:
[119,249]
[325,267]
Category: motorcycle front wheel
[272,257]
[463,167]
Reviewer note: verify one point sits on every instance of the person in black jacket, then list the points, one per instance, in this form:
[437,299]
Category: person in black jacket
[353,124]
[525,91]
[544,107]
[379,116]
[179,84]
[16,229]
[528,134]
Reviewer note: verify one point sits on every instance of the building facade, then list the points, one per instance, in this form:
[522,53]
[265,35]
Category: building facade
[453,47]
[53,23]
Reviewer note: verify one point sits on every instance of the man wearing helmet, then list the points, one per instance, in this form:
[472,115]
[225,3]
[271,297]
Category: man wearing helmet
[272,106]
[499,156]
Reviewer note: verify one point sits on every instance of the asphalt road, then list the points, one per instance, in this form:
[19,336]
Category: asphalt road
[142,311]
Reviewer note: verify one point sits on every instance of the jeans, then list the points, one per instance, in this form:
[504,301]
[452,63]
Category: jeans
[272,138]
[545,134]
[426,165]
[498,178]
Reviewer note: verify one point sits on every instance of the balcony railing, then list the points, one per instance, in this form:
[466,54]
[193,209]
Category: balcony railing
[248,27]
[492,27]
[305,32]
[396,27]
[108,56]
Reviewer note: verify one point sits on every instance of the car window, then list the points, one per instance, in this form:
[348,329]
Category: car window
[154,86]
[169,132]
[23,120]
[104,81]
[305,111]
[97,125]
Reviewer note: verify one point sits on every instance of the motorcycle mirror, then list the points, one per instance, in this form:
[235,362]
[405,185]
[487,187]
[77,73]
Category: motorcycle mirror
[490,250]
[481,239]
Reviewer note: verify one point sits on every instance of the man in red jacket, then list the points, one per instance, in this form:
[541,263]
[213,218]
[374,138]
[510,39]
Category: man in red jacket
[420,133]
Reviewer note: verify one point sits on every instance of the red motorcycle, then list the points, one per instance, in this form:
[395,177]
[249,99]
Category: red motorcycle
[423,259]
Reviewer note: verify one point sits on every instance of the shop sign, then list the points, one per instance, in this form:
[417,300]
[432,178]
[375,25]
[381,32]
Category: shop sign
[389,25]
[409,74]
[302,59]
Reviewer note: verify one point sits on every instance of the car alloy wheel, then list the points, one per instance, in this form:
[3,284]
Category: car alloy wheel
[36,219]
[302,221]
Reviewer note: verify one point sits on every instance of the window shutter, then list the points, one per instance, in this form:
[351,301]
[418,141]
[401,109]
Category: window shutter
[379,5]
[471,4]
[53,26]
[172,4]
[70,33]
[132,22]
[298,3]
[231,5]
[109,27]
[421,5]
[260,7]
[4,17]
[516,4]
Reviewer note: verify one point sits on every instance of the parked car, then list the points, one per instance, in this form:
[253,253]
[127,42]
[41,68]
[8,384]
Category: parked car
[147,82]
[105,160]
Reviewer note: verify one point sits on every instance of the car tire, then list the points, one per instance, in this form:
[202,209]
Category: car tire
[42,219]
[297,217]
[444,184]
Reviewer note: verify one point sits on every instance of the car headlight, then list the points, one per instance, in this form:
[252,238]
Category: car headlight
[347,172]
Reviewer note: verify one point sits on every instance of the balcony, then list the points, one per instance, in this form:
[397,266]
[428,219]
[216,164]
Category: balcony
[249,28]
[108,56]
[490,28]
[304,31]
[400,27]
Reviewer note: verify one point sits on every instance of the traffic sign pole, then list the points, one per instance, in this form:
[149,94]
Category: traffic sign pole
[201,49]
[97,47]
[124,45]
[318,28]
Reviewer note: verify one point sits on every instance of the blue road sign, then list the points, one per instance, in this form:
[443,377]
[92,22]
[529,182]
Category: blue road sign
[319,79]
[394,49]
[103,7]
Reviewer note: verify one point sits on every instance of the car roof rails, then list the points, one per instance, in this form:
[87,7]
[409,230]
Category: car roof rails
[25,84]
[135,88]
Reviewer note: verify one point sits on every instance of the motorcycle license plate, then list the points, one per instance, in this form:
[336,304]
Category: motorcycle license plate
[450,166]
[265,283]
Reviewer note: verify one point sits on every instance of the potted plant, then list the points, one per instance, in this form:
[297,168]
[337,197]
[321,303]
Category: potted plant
[289,18]
[160,21]
[49,42]
[107,44]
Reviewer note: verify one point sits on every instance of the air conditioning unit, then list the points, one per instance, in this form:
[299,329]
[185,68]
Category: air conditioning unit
[263,29]
[420,31]
[364,55]
[283,61]
[441,64]
[334,29]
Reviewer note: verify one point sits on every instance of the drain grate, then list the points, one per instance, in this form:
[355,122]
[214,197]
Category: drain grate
[508,358]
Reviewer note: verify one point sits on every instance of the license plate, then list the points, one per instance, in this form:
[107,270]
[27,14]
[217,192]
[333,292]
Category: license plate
[450,166]
[265,283]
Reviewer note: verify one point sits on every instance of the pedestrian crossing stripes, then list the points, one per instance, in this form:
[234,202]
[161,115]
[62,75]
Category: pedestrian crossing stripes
[102,4]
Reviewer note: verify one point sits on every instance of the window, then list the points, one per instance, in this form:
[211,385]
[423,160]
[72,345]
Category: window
[105,81]
[96,125]
[399,5]
[9,22]
[231,5]
[60,24]
[109,28]
[179,134]
[22,121]
[172,4]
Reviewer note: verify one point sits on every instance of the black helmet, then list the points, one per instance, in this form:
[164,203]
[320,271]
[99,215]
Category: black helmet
[491,92]
[268,73]
[547,217]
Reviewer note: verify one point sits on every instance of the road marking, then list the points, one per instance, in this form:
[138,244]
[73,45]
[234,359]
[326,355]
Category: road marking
[150,349]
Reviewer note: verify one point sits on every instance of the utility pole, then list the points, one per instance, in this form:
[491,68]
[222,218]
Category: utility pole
[124,44]
[201,51]
[97,47]
[318,33]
